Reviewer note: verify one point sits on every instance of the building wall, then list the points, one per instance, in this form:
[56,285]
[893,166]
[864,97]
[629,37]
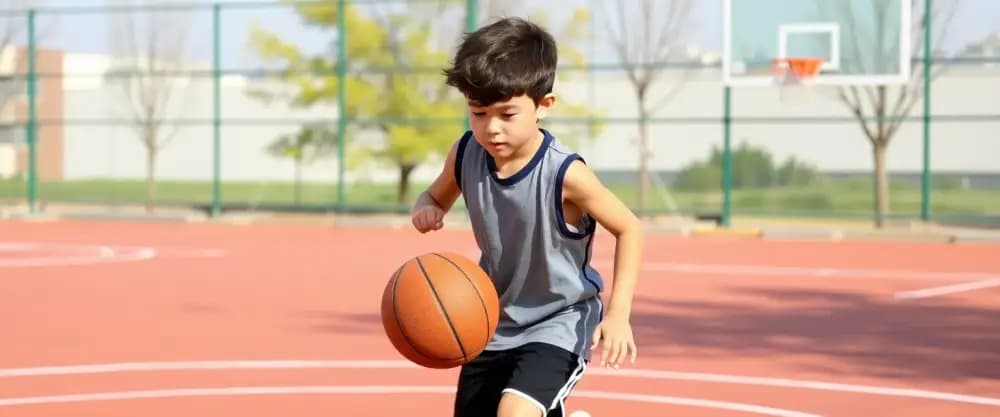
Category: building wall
[113,151]
[49,107]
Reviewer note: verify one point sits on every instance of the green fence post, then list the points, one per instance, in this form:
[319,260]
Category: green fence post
[925,201]
[471,21]
[32,117]
[727,157]
[471,14]
[341,98]
[216,111]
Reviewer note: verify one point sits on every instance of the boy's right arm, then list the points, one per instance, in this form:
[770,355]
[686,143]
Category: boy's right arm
[428,211]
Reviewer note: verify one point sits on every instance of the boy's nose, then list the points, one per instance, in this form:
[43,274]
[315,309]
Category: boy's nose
[493,126]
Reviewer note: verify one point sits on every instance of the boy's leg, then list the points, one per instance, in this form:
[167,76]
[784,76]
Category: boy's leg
[544,375]
[481,383]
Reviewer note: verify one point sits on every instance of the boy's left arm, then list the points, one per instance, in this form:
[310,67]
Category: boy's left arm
[583,189]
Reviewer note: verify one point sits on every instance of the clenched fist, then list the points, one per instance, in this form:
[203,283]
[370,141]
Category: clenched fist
[428,218]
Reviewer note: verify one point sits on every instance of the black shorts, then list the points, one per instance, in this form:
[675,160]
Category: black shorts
[542,373]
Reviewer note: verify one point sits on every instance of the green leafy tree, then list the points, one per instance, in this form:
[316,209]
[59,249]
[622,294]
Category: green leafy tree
[390,84]
[395,56]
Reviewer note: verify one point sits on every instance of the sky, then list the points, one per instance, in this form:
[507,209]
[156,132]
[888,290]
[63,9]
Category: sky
[89,32]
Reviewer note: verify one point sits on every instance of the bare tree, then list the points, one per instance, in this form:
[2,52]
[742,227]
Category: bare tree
[304,147]
[13,28]
[150,47]
[881,109]
[646,34]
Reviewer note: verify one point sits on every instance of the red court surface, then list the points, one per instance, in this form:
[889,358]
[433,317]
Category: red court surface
[129,319]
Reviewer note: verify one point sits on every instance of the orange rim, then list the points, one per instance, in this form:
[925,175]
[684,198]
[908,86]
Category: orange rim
[799,67]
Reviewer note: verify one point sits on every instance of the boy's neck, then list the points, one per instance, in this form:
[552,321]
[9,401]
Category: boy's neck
[521,156]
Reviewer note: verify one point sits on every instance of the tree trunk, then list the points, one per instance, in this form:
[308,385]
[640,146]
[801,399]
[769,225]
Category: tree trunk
[298,180]
[643,175]
[881,185]
[405,170]
[150,177]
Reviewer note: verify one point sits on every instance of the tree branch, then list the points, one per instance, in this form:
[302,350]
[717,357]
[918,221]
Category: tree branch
[149,60]
[639,47]
[621,46]
[910,94]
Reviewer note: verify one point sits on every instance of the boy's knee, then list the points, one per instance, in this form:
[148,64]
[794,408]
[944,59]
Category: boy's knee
[514,405]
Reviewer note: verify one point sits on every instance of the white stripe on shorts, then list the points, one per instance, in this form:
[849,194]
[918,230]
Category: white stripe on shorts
[573,379]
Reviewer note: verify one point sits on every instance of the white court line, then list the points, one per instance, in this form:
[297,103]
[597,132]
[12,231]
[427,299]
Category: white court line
[376,389]
[802,384]
[14,247]
[102,255]
[106,251]
[190,252]
[948,289]
[396,364]
[78,250]
[766,270]
[92,254]
[122,367]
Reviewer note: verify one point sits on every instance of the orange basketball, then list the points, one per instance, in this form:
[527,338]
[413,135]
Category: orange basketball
[440,310]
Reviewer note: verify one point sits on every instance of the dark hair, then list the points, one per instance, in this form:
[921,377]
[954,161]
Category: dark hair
[507,58]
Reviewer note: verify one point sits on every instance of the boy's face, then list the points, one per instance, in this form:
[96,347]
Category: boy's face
[504,127]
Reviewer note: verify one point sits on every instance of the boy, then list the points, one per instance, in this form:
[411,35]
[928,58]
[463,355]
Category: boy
[534,207]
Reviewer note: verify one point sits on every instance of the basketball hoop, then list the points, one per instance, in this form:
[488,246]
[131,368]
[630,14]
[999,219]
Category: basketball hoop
[794,76]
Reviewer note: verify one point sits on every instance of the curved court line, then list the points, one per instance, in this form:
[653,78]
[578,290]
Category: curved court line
[379,389]
[102,254]
[396,364]
[88,250]
[800,383]
[92,254]
[122,367]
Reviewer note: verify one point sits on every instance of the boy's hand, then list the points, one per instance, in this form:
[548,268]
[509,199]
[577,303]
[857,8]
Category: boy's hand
[615,335]
[428,218]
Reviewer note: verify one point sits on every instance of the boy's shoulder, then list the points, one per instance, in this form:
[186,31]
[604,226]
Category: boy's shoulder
[551,148]
[563,149]
[565,153]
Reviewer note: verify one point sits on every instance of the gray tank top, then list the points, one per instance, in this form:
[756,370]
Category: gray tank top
[540,265]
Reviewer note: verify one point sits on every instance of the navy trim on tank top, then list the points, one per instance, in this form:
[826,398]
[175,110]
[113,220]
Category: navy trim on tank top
[459,154]
[525,170]
[560,215]
[586,261]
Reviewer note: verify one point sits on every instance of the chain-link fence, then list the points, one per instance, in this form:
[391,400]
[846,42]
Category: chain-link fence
[341,105]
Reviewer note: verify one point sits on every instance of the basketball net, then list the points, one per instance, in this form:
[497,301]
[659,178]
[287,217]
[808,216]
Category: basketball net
[795,76]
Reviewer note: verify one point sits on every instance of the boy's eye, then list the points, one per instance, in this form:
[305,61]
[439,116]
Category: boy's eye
[509,115]
[478,113]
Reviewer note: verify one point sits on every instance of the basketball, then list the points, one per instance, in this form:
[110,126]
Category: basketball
[440,310]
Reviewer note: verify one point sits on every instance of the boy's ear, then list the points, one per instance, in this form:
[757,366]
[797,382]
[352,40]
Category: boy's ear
[544,105]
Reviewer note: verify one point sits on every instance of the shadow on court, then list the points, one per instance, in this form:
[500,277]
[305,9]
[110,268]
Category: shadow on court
[859,334]
[342,323]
